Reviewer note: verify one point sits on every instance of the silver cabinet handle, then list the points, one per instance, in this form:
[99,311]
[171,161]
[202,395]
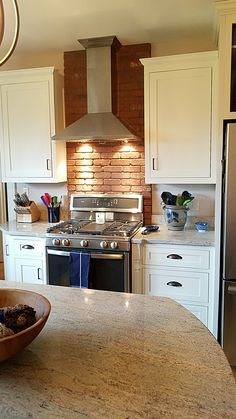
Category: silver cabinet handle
[7,249]
[154,164]
[48,163]
[174,284]
[39,272]
[27,246]
[232,289]
[174,256]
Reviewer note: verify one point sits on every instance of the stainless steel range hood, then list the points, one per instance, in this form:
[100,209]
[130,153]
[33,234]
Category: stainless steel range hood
[99,123]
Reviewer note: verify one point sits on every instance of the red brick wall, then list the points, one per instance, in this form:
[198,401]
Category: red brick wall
[116,167]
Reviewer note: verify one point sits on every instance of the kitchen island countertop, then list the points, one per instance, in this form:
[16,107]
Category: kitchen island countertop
[115,355]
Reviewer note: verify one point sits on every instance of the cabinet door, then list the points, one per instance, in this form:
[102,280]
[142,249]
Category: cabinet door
[26,130]
[180,124]
[9,271]
[29,271]
[227,54]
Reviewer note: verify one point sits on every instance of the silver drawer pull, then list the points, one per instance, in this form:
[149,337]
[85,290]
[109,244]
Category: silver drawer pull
[232,289]
[174,284]
[27,246]
[174,256]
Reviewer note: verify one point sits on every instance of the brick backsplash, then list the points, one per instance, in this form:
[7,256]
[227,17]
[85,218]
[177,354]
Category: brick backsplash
[114,167]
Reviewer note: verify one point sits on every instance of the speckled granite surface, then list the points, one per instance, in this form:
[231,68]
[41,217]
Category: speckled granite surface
[37,229]
[117,356]
[188,236]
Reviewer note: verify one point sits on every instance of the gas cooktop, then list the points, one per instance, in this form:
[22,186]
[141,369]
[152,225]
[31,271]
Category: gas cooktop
[111,228]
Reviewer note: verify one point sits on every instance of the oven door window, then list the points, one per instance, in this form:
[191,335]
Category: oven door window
[108,271]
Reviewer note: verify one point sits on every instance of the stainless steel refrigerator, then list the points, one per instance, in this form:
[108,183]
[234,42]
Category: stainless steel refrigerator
[228,246]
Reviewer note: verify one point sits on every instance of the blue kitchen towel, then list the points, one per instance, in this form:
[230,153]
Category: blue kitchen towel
[79,265]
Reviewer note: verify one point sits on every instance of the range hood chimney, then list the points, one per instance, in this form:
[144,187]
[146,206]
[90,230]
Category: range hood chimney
[99,123]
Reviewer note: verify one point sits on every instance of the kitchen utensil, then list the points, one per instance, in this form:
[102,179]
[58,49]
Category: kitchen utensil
[25,202]
[44,200]
[17,199]
[168,198]
[54,201]
[47,198]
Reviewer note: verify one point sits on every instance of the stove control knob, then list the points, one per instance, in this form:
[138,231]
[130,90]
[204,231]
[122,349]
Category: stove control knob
[103,244]
[56,242]
[114,245]
[84,243]
[66,242]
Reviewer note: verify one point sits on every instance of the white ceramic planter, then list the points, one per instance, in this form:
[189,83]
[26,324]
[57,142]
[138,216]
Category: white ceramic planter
[175,217]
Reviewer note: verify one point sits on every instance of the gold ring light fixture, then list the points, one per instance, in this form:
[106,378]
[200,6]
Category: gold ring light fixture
[15,35]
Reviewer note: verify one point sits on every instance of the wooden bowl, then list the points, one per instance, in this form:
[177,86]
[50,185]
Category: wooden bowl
[10,345]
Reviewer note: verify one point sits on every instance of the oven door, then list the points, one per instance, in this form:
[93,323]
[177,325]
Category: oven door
[108,271]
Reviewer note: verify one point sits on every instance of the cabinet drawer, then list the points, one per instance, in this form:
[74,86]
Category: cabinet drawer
[179,285]
[28,247]
[176,256]
[200,312]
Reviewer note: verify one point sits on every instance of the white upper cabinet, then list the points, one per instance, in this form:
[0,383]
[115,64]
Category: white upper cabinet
[180,102]
[227,55]
[31,111]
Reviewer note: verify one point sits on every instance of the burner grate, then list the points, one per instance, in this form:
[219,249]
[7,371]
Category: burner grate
[116,228]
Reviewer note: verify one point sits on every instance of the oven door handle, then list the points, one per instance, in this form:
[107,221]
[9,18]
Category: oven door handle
[110,256]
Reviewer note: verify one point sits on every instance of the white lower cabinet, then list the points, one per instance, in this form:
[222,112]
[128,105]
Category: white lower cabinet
[24,259]
[183,273]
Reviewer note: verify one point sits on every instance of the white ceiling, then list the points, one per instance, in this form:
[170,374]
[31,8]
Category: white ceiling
[55,25]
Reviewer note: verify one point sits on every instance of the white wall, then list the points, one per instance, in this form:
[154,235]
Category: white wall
[18,61]
[56,59]
[202,205]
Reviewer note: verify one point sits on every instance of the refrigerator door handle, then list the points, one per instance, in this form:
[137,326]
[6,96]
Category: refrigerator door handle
[232,289]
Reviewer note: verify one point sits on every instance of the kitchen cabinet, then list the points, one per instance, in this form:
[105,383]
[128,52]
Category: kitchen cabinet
[180,118]
[227,55]
[183,273]
[24,259]
[31,110]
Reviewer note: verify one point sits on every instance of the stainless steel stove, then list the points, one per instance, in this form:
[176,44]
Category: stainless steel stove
[101,226]
[122,217]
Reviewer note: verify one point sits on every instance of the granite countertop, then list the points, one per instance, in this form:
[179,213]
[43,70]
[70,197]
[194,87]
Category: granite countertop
[37,229]
[189,236]
[115,355]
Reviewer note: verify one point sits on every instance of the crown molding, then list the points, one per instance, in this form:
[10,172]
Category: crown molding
[225,7]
